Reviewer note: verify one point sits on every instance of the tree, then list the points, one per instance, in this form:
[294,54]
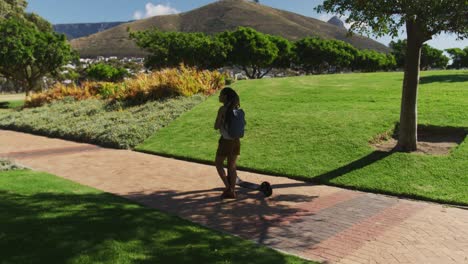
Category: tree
[459,57]
[309,54]
[285,52]
[318,55]
[251,50]
[371,61]
[10,8]
[170,49]
[28,54]
[433,58]
[430,57]
[422,19]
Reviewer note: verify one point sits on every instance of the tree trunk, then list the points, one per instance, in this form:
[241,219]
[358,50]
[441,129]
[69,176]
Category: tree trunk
[407,140]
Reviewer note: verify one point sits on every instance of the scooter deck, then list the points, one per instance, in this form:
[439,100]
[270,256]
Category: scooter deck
[265,187]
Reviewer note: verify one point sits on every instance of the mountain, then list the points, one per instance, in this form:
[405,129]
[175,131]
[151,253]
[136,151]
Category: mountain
[217,17]
[337,22]
[79,30]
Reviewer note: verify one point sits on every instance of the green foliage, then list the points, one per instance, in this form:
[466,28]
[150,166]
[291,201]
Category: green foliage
[321,127]
[95,121]
[308,54]
[6,165]
[28,54]
[106,73]
[251,50]
[382,17]
[170,49]
[433,58]
[430,57]
[459,57]
[10,8]
[285,52]
[371,61]
[316,55]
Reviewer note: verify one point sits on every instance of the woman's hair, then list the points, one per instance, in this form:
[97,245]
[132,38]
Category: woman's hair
[232,102]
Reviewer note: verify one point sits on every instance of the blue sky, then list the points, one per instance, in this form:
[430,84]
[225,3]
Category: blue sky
[82,11]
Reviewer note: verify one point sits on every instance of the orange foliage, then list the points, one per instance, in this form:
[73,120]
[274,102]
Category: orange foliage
[183,81]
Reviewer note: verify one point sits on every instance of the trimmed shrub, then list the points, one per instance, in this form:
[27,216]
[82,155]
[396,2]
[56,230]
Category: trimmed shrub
[99,122]
[106,73]
[6,165]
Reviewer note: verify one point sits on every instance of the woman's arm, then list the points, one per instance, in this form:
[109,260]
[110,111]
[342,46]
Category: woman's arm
[220,118]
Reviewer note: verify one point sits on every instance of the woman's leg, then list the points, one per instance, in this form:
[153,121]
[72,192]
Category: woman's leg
[232,172]
[219,161]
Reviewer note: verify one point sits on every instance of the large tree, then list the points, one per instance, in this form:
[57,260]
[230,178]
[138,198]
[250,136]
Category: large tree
[430,57]
[170,49]
[459,57]
[422,19]
[27,54]
[251,50]
[12,8]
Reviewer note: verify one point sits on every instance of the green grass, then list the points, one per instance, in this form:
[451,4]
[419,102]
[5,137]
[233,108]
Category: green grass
[95,121]
[12,104]
[319,127]
[46,219]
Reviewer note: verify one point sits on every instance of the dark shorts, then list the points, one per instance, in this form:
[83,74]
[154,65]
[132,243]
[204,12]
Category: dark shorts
[228,147]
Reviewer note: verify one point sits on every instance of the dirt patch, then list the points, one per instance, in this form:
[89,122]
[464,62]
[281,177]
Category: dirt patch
[432,140]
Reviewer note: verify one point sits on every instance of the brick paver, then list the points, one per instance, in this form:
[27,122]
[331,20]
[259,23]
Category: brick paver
[315,222]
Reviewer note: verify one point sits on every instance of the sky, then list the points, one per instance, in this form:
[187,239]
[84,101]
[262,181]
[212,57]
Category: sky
[88,11]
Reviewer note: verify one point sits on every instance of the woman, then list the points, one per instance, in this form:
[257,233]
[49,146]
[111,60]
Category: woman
[228,147]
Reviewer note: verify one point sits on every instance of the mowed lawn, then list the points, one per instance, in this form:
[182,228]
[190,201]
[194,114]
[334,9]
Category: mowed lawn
[46,219]
[11,101]
[319,127]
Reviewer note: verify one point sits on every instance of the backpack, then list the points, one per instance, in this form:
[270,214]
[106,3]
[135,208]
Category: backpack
[236,125]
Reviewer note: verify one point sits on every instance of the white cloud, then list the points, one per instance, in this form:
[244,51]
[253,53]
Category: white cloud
[155,10]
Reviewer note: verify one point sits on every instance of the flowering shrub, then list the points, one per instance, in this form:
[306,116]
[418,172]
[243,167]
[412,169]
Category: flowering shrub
[182,81]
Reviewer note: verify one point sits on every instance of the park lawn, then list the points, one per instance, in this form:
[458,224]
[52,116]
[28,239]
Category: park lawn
[46,219]
[318,128]
[11,104]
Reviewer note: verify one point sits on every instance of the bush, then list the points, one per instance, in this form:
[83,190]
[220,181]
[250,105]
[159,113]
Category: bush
[106,73]
[99,122]
[182,81]
[6,165]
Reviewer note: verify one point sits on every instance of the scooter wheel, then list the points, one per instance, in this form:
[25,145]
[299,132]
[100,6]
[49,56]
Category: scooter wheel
[266,189]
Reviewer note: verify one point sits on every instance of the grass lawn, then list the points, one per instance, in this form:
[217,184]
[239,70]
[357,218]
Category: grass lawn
[12,104]
[46,219]
[319,127]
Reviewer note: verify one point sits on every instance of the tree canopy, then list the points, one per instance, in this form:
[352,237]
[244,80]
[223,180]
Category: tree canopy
[459,57]
[28,54]
[430,57]
[12,8]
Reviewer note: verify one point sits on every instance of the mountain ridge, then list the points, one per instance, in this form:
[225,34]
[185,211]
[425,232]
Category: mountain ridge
[214,18]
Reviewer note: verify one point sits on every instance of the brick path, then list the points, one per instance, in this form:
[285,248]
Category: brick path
[315,222]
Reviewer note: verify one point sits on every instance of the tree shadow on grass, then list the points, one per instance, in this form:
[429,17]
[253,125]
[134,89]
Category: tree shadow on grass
[91,228]
[444,78]
[4,105]
[355,165]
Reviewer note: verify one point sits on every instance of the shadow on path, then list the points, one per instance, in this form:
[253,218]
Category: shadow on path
[251,215]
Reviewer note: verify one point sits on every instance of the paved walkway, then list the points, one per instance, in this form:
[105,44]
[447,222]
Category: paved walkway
[315,222]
